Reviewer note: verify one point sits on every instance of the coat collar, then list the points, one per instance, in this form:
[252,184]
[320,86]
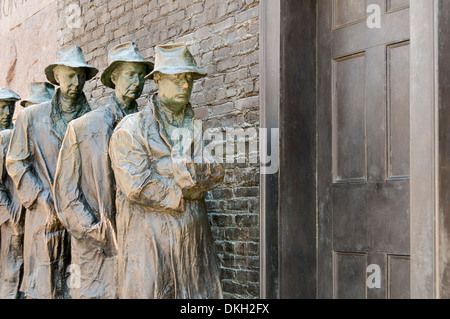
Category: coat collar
[117,109]
[58,124]
[11,126]
[162,118]
[189,122]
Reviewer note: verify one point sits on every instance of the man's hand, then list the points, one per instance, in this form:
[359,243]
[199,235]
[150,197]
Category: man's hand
[193,193]
[45,202]
[184,171]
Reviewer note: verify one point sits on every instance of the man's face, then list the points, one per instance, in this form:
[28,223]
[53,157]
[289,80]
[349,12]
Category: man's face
[71,81]
[6,112]
[175,89]
[129,79]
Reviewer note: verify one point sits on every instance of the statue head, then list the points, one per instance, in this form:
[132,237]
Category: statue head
[71,81]
[126,72]
[8,101]
[129,79]
[7,109]
[174,90]
[70,72]
[40,92]
[174,74]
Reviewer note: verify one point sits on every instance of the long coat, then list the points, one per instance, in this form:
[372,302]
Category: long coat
[31,163]
[166,248]
[11,228]
[84,192]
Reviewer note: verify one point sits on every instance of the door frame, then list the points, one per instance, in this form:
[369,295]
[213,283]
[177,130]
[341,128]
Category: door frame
[288,249]
[430,151]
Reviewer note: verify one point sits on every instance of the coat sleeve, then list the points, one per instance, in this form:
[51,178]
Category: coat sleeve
[71,205]
[210,172]
[136,177]
[10,207]
[18,164]
[5,200]
[197,171]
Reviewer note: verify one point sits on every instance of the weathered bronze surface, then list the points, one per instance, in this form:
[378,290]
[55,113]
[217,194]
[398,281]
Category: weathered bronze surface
[84,187]
[11,210]
[31,162]
[363,147]
[165,245]
[40,92]
[146,237]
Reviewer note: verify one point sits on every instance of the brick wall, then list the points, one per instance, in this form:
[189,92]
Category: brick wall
[223,36]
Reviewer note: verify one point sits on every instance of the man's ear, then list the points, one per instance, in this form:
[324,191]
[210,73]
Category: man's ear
[114,77]
[156,78]
[56,74]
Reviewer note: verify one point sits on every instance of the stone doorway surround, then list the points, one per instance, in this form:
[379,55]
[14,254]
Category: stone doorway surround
[288,95]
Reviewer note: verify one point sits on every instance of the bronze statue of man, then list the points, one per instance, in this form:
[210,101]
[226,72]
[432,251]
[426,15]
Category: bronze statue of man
[40,92]
[166,248]
[31,163]
[11,210]
[84,188]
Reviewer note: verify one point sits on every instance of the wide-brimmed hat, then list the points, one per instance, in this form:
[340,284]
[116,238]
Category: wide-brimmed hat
[8,95]
[40,92]
[71,56]
[175,58]
[125,52]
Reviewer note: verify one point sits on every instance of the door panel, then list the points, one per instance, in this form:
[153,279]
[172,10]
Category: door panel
[396,4]
[398,268]
[349,119]
[346,12]
[398,110]
[363,149]
[349,275]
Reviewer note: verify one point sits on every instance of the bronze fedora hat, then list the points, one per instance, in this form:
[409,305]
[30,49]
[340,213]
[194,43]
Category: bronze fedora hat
[175,58]
[40,92]
[8,95]
[71,56]
[125,52]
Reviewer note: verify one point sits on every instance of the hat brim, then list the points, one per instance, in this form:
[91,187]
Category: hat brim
[198,74]
[91,72]
[10,99]
[106,75]
[35,101]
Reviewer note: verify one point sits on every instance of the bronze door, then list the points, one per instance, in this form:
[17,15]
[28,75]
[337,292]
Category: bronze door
[363,149]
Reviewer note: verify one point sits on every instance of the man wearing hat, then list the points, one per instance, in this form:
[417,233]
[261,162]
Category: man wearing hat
[84,188]
[166,248]
[11,210]
[31,163]
[40,92]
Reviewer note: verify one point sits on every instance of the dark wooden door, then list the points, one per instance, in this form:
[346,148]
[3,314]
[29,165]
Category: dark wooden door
[363,150]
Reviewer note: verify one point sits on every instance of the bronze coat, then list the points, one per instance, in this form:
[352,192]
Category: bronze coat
[11,228]
[166,248]
[31,163]
[84,192]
